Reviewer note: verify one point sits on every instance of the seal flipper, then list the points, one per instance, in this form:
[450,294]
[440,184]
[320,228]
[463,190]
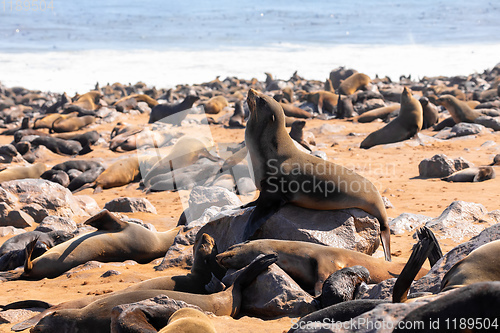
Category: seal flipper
[85,149]
[436,252]
[26,304]
[104,220]
[268,203]
[385,238]
[419,254]
[28,263]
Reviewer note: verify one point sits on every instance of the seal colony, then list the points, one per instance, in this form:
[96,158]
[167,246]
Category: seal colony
[140,140]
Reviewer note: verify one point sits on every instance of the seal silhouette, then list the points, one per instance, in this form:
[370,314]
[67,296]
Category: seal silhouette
[277,165]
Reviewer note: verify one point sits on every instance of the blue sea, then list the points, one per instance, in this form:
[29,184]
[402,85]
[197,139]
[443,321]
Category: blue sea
[71,45]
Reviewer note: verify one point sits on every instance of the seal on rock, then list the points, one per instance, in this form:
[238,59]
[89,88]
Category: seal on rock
[237,120]
[115,240]
[309,264]
[405,126]
[354,82]
[277,165]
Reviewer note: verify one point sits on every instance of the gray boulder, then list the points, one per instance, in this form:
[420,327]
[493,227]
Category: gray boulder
[351,229]
[17,219]
[490,122]
[203,197]
[130,205]
[53,223]
[439,166]
[407,222]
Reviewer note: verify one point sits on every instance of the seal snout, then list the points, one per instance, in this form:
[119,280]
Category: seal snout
[251,100]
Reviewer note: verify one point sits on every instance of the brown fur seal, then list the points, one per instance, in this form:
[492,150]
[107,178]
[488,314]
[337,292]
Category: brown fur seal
[354,82]
[96,317]
[128,103]
[71,124]
[405,126]
[120,173]
[473,174]
[88,101]
[430,112]
[378,113]
[307,263]
[459,110]
[60,146]
[296,112]
[277,165]
[237,120]
[324,100]
[189,320]
[165,112]
[22,172]
[297,133]
[215,105]
[115,240]
[481,265]
[496,160]
[48,121]
[186,151]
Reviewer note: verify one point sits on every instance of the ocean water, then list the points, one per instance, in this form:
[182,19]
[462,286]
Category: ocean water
[75,44]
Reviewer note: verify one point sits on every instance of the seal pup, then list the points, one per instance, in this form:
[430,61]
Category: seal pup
[237,120]
[271,150]
[86,177]
[297,133]
[165,112]
[215,104]
[430,112]
[307,263]
[187,320]
[60,146]
[406,125]
[96,317]
[472,175]
[56,176]
[115,240]
[22,172]
[459,110]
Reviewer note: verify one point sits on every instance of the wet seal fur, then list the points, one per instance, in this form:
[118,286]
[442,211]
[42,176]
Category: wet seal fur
[115,240]
[405,126]
[268,142]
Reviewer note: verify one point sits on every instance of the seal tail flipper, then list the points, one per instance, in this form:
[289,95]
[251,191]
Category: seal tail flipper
[248,274]
[436,252]
[28,263]
[385,238]
[31,322]
[85,149]
[419,254]
[98,189]
[89,185]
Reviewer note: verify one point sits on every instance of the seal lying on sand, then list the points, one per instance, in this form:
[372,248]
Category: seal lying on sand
[115,240]
[307,263]
[472,175]
[96,317]
[277,163]
[22,172]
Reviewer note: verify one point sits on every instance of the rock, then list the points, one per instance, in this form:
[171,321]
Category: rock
[370,104]
[387,203]
[88,204]
[44,197]
[130,205]
[17,219]
[7,197]
[246,186]
[274,294]
[351,229]
[203,197]
[439,166]
[490,122]
[320,154]
[52,223]
[462,219]
[109,273]
[10,230]
[463,129]
[159,308]
[18,315]
[431,282]
[328,129]
[382,290]
[407,222]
